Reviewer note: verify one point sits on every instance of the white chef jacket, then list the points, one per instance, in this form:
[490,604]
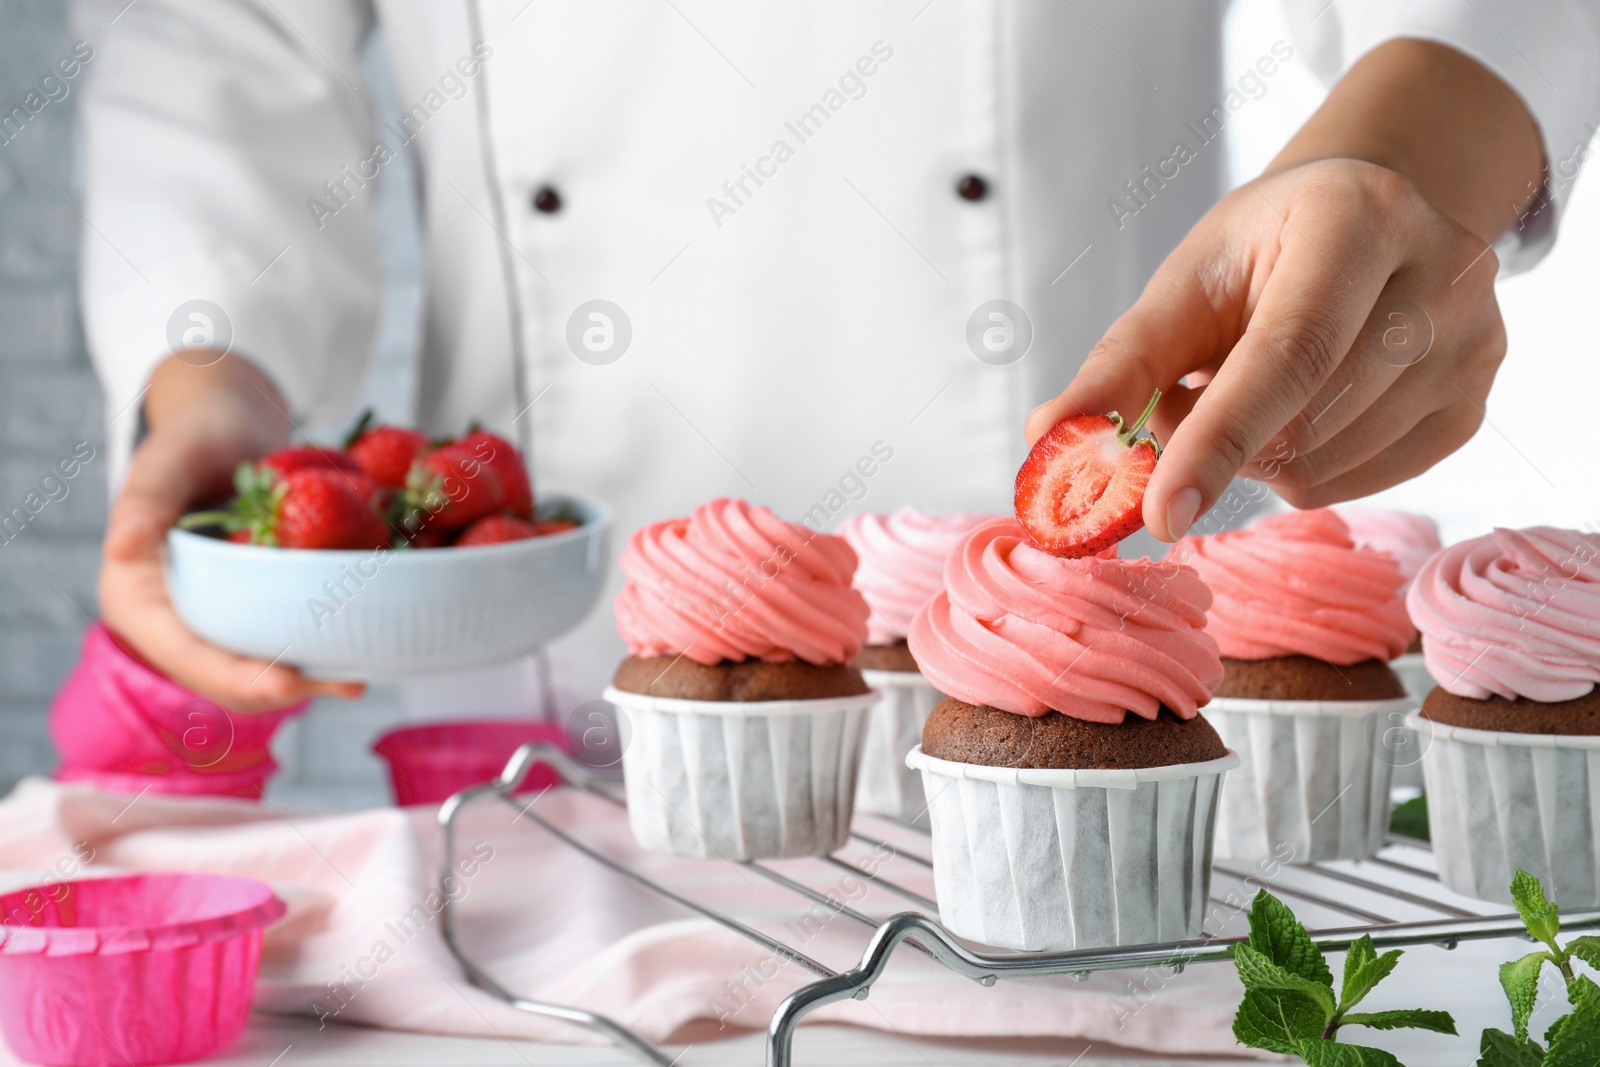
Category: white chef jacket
[769,194]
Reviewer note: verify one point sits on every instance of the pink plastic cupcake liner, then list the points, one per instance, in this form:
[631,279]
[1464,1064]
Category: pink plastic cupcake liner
[430,762]
[144,969]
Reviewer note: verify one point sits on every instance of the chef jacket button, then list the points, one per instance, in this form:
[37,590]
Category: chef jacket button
[972,187]
[547,200]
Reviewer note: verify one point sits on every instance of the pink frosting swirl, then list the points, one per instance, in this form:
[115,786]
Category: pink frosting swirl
[1408,537]
[1513,613]
[1295,584]
[1024,631]
[902,563]
[735,582]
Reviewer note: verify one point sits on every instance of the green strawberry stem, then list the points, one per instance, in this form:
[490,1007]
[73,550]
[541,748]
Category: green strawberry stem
[360,427]
[1127,434]
[197,519]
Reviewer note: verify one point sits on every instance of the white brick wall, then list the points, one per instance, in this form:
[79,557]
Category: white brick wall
[49,401]
[48,398]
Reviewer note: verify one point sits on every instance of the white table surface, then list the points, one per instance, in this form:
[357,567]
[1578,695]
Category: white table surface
[285,1041]
[1463,980]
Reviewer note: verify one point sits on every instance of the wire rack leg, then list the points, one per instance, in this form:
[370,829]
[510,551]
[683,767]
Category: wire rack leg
[856,983]
[516,770]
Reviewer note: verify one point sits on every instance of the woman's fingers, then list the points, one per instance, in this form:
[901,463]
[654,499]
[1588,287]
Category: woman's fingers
[135,606]
[136,529]
[1456,383]
[1360,380]
[1316,319]
[1426,443]
[1322,285]
[1173,329]
[184,462]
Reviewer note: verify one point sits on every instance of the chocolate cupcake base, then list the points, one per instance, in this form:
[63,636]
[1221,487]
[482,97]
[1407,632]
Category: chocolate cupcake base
[682,678]
[1580,715]
[970,733]
[1305,678]
[895,657]
[1055,859]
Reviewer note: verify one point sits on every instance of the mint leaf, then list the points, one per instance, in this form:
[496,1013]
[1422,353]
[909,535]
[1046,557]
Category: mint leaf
[1410,819]
[1278,1020]
[1582,990]
[1520,979]
[1318,1052]
[1574,1039]
[1585,948]
[1278,935]
[1363,969]
[1440,1022]
[1257,972]
[1538,914]
[1500,1049]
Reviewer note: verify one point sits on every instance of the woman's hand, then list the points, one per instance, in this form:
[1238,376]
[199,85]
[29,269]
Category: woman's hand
[1333,322]
[203,420]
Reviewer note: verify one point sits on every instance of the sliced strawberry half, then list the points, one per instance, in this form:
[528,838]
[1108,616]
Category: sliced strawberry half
[1081,489]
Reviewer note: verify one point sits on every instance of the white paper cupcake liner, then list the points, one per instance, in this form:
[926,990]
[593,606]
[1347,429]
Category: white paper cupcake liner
[1314,779]
[1413,672]
[887,786]
[732,780]
[1053,860]
[1499,800]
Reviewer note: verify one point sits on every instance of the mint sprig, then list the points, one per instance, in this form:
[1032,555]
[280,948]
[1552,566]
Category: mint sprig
[1572,1040]
[1290,1005]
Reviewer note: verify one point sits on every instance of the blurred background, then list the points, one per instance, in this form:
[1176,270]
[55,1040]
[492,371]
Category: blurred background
[1528,465]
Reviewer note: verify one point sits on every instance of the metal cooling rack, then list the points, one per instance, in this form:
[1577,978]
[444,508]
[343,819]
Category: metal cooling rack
[1360,896]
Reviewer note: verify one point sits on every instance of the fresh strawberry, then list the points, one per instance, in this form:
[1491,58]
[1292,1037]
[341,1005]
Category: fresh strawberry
[285,461]
[451,487]
[497,529]
[1081,489]
[508,463]
[309,508]
[428,537]
[385,452]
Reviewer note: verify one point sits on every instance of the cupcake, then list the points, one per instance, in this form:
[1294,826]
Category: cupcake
[742,714]
[902,560]
[1072,785]
[1410,539]
[1307,624]
[1511,629]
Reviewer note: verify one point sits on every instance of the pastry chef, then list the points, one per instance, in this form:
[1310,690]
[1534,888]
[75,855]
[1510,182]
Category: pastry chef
[825,256]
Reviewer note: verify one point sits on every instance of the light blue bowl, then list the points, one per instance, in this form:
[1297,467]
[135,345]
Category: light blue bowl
[384,615]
